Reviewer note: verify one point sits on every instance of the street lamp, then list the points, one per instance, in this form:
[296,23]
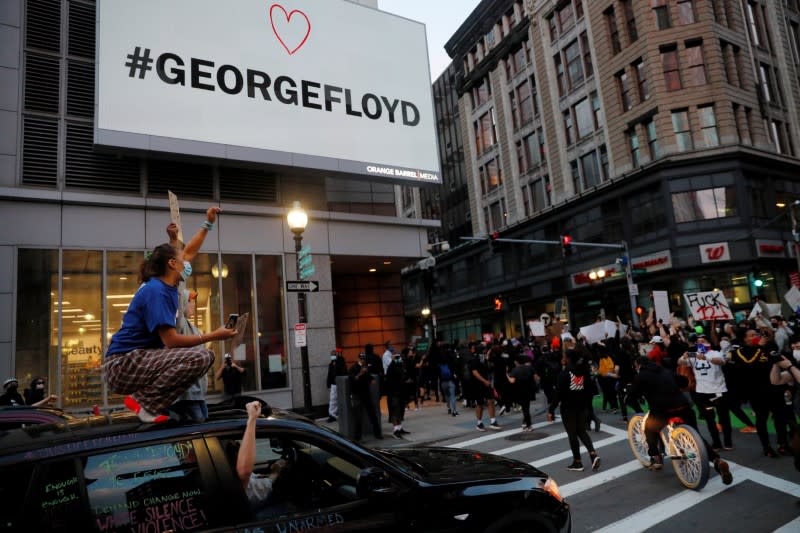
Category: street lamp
[426,312]
[594,275]
[600,274]
[298,220]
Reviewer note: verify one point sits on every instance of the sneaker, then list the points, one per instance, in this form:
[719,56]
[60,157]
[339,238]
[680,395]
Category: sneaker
[748,429]
[331,419]
[784,450]
[769,452]
[480,426]
[494,425]
[595,462]
[728,447]
[656,462]
[454,413]
[404,432]
[502,411]
[724,471]
[576,466]
[596,425]
[449,411]
[396,434]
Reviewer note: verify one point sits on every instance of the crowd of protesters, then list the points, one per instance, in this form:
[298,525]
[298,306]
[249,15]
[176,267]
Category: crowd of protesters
[719,367]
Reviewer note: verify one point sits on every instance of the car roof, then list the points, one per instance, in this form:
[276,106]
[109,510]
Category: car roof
[9,412]
[97,432]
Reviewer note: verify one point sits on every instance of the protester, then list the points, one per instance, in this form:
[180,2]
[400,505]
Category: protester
[337,367]
[361,397]
[36,395]
[523,387]
[231,375]
[147,358]
[447,380]
[396,394]
[11,395]
[573,398]
[481,390]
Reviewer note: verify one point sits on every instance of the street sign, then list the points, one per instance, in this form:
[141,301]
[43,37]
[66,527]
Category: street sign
[633,289]
[545,318]
[299,335]
[302,286]
[305,266]
[307,272]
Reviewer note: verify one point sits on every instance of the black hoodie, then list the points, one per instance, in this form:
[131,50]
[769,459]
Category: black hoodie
[659,388]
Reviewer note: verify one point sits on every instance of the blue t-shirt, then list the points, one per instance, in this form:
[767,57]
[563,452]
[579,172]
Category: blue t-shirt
[154,304]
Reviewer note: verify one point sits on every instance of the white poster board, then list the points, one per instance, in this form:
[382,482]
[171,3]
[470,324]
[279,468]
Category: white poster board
[275,362]
[708,305]
[793,299]
[594,333]
[611,328]
[661,304]
[537,328]
[765,310]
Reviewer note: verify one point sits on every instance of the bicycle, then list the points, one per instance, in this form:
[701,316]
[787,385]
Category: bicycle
[681,443]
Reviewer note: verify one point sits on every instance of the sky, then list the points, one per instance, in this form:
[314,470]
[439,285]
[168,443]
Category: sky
[441,18]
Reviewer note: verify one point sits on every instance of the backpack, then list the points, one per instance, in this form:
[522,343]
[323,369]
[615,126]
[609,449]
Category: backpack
[445,374]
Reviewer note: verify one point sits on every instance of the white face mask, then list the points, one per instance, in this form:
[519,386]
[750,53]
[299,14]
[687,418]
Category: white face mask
[796,355]
[333,358]
[724,345]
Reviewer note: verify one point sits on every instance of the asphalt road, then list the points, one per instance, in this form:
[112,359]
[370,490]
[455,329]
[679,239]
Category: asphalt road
[624,496]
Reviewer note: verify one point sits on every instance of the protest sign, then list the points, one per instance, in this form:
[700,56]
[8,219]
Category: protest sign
[708,305]
[793,299]
[175,213]
[765,310]
[611,328]
[537,328]
[594,333]
[661,304]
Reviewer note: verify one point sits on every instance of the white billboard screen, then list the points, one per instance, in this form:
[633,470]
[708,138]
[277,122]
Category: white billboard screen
[328,85]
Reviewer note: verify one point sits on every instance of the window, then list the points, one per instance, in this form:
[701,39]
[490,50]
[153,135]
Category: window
[529,152]
[481,93]
[539,192]
[568,127]
[624,86]
[672,72]
[696,68]
[779,137]
[794,40]
[652,139]
[566,17]
[685,12]
[525,105]
[683,134]
[766,82]
[641,80]
[604,161]
[560,75]
[597,111]
[720,11]
[576,176]
[485,136]
[590,170]
[583,117]
[730,60]
[490,176]
[497,214]
[129,479]
[272,351]
[490,38]
[572,54]
[553,26]
[753,23]
[647,213]
[708,125]
[613,31]
[587,55]
[630,20]
[633,140]
[661,13]
[704,204]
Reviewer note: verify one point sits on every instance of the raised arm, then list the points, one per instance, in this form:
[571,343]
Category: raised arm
[194,244]
[246,457]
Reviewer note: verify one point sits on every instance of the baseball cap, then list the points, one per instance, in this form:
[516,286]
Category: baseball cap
[227,356]
[656,339]
[10,380]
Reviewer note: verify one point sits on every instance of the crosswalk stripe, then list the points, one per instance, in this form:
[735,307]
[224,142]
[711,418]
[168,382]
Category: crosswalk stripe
[601,477]
[568,454]
[495,435]
[791,527]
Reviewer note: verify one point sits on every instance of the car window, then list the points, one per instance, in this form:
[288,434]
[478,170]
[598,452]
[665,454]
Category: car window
[150,488]
[295,476]
[13,487]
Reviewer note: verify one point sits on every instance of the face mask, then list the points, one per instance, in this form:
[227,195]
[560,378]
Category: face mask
[397,359]
[756,339]
[724,345]
[40,385]
[796,355]
[333,358]
[187,270]
[504,355]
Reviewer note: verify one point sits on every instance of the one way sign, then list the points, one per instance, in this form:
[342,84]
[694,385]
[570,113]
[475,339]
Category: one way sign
[302,286]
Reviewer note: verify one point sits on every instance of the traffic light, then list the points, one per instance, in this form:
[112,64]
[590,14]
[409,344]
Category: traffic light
[639,310]
[566,245]
[494,245]
[498,303]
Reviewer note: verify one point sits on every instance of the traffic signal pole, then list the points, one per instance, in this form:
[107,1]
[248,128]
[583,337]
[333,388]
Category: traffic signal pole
[632,293]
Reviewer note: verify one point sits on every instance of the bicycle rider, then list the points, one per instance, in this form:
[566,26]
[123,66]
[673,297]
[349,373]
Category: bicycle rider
[666,401]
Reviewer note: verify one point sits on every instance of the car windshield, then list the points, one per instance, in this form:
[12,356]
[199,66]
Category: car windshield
[404,465]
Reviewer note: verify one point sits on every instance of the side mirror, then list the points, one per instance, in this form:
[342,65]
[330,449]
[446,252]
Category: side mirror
[373,482]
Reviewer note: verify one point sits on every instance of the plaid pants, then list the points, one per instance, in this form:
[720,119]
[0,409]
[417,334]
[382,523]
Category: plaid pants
[157,377]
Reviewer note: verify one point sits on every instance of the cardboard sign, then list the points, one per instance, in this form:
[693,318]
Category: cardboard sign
[765,310]
[611,329]
[708,305]
[175,213]
[241,327]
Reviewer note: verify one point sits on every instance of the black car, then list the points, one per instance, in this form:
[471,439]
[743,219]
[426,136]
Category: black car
[18,416]
[113,474]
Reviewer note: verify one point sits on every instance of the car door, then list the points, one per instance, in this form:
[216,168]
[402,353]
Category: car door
[313,483]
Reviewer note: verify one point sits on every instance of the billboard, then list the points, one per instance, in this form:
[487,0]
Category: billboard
[327,85]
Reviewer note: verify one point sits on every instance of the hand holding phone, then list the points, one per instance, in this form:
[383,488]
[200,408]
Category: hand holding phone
[232,319]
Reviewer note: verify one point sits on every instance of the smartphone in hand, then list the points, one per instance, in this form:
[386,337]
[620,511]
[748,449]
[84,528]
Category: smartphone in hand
[232,319]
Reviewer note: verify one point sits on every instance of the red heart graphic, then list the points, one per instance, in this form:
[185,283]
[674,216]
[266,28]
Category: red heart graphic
[289,21]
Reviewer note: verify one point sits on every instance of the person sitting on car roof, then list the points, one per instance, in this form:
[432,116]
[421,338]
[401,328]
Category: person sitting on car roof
[11,395]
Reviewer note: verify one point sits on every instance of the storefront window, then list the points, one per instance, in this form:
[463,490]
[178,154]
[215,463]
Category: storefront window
[82,331]
[37,324]
[206,314]
[272,356]
[236,272]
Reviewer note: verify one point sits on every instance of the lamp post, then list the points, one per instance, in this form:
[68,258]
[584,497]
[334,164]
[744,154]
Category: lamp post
[298,220]
[600,274]
[426,312]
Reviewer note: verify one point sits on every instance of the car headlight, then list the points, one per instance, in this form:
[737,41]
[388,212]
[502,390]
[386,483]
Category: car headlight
[550,486]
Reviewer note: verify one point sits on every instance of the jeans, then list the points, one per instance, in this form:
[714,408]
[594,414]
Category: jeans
[574,419]
[449,391]
[333,403]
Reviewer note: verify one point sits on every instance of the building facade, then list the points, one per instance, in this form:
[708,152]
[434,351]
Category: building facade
[77,221]
[670,125]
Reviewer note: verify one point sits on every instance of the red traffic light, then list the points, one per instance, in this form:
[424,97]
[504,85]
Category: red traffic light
[498,304]
[566,245]
[566,240]
[639,310]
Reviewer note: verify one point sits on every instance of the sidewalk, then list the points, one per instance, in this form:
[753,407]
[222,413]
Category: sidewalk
[431,424]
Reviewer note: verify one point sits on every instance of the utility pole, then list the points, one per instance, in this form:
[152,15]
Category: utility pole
[794,211]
